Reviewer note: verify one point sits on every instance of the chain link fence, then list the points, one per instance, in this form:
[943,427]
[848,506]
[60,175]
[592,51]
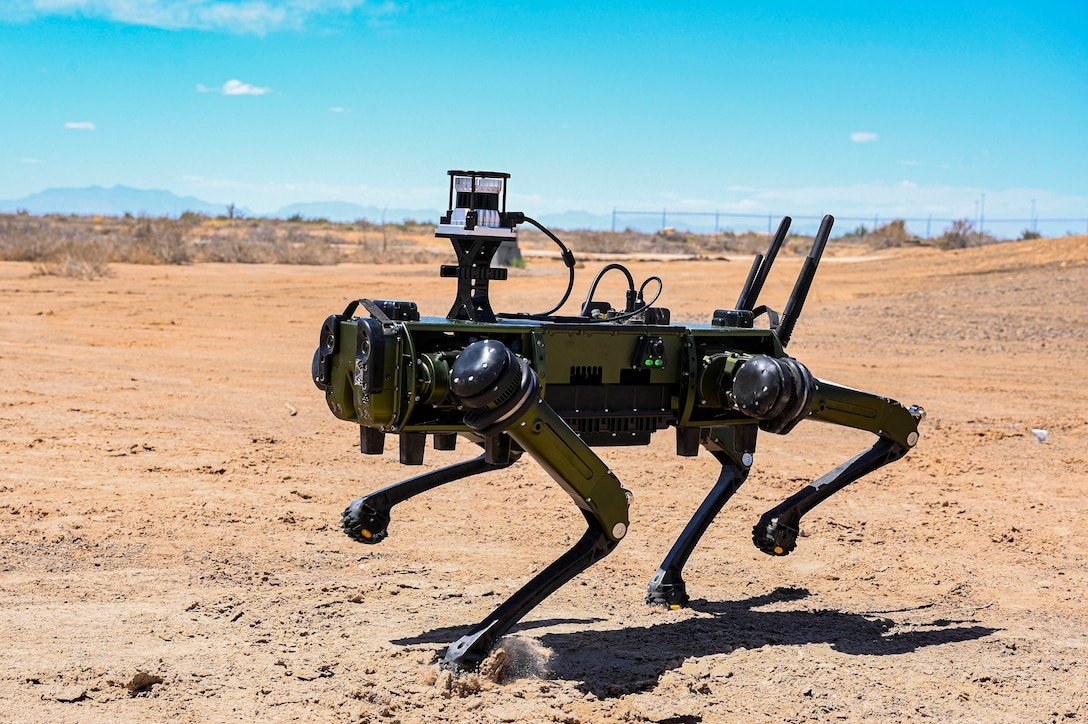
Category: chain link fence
[712,222]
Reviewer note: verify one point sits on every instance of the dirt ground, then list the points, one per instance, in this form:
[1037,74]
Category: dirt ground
[171,485]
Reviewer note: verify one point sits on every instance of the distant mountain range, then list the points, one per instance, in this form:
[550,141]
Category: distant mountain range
[346,211]
[114,201]
[119,200]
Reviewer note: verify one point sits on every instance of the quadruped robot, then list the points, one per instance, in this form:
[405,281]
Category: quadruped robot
[556,386]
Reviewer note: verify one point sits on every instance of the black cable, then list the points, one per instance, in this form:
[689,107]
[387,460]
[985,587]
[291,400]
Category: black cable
[619,317]
[660,287]
[568,259]
[597,280]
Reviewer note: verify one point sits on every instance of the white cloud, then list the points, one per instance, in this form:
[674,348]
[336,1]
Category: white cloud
[232,16]
[234,87]
[238,88]
[80,126]
[864,137]
[30,160]
[338,109]
[911,163]
[905,184]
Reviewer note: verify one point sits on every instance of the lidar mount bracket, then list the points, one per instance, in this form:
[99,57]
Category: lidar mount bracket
[476,223]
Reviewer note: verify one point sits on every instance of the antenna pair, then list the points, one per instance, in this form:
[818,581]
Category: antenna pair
[761,268]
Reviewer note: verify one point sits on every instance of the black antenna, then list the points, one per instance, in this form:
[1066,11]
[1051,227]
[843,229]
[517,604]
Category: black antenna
[761,267]
[804,281]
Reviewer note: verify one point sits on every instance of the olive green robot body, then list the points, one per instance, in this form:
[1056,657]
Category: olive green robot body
[557,387]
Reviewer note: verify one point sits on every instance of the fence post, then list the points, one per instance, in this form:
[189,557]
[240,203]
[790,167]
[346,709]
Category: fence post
[715,221]
[928,222]
[613,220]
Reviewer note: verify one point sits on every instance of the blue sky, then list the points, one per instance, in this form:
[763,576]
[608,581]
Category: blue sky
[848,108]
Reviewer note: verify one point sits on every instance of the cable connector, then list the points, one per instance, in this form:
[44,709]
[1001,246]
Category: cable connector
[513,218]
[568,258]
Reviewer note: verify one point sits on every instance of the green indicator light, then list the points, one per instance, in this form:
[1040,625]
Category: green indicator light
[657,362]
[649,363]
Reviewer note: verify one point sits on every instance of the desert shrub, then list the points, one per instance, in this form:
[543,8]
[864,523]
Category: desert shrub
[889,235]
[413,225]
[395,250]
[309,249]
[962,234]
[234,250]
[1029,235]
[75,260]
[266,244]
[672,237]
[22,238]
[56,248]
[241,245]
[300,219]
[958,235]
[157,241]
[607,242]
[752,242]
[311,252]
[728,241]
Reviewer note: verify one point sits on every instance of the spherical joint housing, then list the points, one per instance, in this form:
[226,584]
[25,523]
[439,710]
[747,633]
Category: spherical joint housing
[493,382]
[485,374]
[775,391]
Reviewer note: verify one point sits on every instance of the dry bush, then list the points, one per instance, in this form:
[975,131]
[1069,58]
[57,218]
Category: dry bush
[890,235]
[234,250]
[233,244]
[397,250]
[56,248]
[962,234]
[159,240]
[309,249]
[666,241]
[74,260]
[730,242]
[21,238]
[264,242]
[608,242]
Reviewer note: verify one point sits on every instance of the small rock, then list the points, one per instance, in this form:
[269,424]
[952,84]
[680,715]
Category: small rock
[70,694]
[142,680]
[1041,435]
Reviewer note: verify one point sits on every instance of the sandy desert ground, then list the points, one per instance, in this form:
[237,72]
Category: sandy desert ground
[171,484]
